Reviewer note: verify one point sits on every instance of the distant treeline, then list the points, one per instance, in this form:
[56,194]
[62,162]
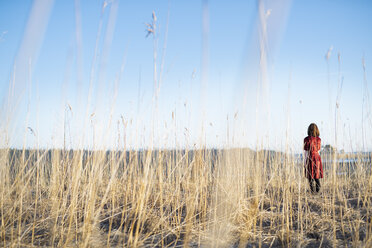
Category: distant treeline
[32,156]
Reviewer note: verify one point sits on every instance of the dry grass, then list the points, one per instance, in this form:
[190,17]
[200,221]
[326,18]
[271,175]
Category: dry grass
[219,198]
[169,198]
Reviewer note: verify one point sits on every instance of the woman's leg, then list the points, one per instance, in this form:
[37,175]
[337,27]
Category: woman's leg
[317,183]
[311,184]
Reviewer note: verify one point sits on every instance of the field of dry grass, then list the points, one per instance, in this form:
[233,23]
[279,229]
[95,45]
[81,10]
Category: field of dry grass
[232,197]
[208,198]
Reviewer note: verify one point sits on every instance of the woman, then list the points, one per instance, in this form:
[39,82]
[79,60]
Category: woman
[313,162]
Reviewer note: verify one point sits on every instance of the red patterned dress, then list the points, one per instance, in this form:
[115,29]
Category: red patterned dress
[313,162]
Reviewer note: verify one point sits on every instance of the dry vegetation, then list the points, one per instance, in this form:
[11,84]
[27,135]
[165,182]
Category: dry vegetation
[219,198]
[176,198]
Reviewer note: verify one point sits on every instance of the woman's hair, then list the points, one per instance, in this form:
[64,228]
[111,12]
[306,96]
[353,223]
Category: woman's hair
[313,130]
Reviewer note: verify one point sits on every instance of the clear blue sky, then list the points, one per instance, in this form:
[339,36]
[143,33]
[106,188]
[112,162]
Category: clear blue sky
[214,85]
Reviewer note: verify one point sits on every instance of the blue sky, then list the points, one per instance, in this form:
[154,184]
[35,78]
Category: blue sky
[84,73]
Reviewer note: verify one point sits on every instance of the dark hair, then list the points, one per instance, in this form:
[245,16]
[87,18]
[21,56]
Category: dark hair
[313,130]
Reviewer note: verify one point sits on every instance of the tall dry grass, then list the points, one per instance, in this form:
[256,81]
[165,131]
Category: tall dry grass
[218,198]
[174,198]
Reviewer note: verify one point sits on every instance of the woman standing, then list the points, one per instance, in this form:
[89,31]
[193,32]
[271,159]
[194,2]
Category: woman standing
[313,162]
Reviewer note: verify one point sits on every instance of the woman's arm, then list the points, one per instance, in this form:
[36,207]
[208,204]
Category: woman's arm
[318,144]
[306,145]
